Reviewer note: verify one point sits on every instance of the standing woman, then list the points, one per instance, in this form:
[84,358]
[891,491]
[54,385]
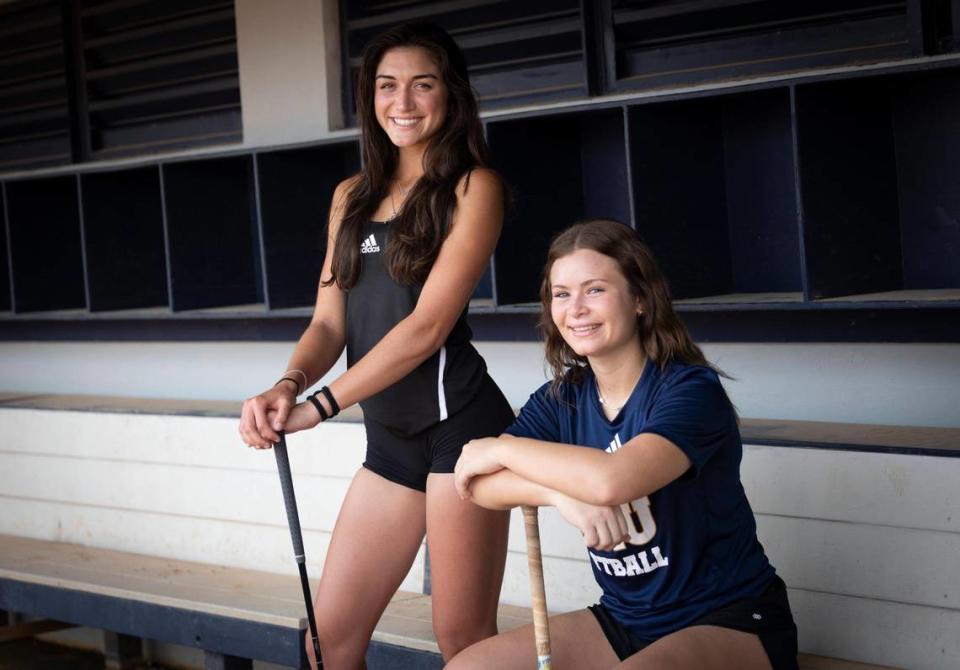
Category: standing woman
[409,238]
[636,444]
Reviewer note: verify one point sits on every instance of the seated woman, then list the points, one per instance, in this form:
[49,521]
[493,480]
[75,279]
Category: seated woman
[635,442]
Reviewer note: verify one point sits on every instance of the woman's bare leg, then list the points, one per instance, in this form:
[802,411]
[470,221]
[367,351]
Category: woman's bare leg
[576,641]
[468,546]
[376,537]
[702,648]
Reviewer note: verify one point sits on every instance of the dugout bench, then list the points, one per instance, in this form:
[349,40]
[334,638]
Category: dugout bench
[233,615]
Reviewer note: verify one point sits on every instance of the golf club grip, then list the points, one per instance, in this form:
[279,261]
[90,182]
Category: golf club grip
[289,499]
[541,628]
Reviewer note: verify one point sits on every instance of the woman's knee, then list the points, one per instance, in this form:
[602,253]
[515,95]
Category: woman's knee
[457,632]
[340,640]
[467,659]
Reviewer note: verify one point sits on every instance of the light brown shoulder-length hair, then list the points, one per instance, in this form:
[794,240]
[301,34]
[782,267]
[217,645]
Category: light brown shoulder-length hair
[663,336]
[419,229]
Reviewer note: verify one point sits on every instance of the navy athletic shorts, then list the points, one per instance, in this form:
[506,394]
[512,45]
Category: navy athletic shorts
[407,460]
[768,616]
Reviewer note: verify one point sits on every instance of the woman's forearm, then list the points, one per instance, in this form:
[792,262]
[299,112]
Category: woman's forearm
[316,352]
[589,475]
[505,490]
[643,465]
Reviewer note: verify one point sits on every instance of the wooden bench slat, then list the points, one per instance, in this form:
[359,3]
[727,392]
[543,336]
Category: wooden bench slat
[258,596]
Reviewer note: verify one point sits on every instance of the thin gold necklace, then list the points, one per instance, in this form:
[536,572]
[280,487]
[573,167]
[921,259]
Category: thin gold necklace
[403,195]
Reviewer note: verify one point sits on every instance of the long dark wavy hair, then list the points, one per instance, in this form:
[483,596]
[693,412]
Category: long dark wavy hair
[663,336]
[458,147]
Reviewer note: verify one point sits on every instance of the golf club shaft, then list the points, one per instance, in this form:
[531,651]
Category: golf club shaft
[293,521]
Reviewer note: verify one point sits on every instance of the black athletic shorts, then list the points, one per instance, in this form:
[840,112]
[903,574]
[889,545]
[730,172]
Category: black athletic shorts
[408,460]
[768,616]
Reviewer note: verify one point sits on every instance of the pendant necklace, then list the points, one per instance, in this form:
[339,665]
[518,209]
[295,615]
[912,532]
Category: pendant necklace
[606,403]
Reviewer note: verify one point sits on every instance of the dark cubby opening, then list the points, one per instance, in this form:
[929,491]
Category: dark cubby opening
[6,297]
[561,169]
[123,230]
[45,244]
[212,233]
[715,195]
[926,120]
[879,162]
[296,187]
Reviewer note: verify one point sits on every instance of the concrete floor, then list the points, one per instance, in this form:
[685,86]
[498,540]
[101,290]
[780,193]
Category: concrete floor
[31,654]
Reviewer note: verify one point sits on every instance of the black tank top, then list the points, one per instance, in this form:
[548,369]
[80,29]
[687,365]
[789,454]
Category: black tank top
[441,385]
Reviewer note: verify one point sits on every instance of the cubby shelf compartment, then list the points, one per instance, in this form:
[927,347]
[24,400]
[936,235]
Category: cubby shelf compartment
[212,233]
[715,195]
[879,166]
[6,295]
[296,187]
[818,208]
[561,168]
[45,244]
[124,239]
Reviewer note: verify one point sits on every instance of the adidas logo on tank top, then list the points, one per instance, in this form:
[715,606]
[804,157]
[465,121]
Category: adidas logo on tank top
[369,246]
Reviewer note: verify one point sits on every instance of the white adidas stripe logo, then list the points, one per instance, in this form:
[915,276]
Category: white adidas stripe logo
[369,246]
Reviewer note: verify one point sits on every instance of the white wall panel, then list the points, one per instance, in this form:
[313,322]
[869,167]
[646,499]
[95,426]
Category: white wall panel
[874,488]
[903,384]
[900,565]
[242,545]
[875,631]
[240,496]
[289,70]
[569,583]
[335,449]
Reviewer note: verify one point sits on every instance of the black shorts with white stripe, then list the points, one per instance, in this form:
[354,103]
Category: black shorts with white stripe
[407,460]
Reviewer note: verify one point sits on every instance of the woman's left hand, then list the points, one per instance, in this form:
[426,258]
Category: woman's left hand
[479,457]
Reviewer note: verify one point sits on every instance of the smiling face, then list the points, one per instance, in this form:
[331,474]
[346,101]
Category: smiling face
[592,306]
[410,97]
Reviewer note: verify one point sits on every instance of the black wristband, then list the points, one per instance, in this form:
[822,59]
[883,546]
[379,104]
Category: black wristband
[319,405]
[325,390]
[296,384]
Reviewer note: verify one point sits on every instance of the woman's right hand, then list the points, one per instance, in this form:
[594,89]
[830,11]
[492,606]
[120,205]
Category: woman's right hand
[264,414]
[602,528]
[303,416]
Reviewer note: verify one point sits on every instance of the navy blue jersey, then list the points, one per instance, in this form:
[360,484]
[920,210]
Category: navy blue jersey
[693,545]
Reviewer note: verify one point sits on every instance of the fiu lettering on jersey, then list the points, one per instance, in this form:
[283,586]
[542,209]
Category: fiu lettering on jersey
[369,245]
[630,565]
[643,528]
[640,519]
